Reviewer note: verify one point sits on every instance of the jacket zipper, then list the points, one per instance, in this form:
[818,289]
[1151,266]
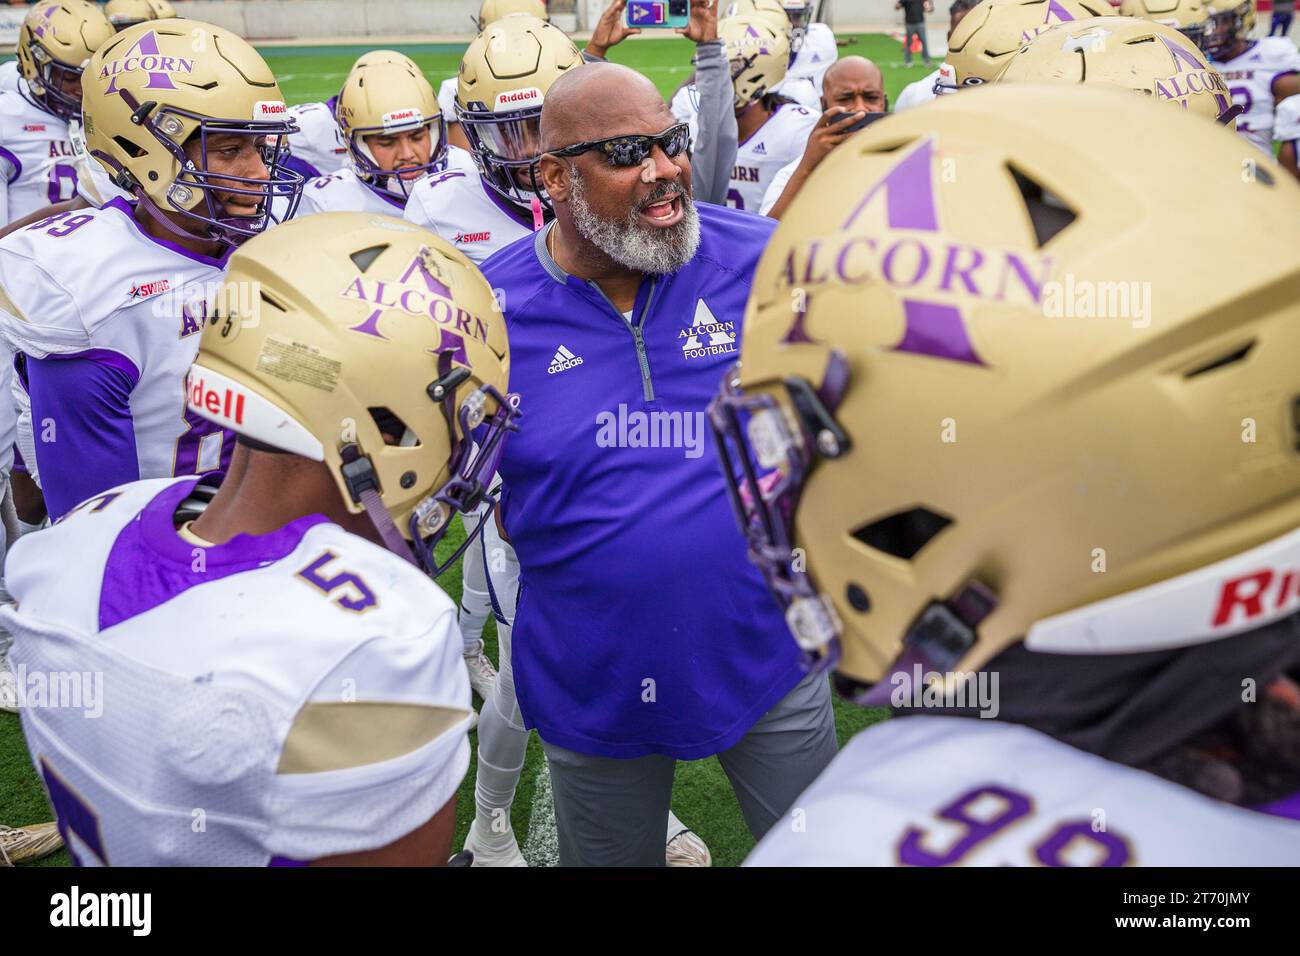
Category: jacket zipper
[643,360]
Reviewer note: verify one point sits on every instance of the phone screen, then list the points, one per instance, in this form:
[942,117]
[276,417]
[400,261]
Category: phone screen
[657,13]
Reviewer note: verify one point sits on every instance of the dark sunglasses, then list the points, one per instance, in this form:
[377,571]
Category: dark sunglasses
[632,150]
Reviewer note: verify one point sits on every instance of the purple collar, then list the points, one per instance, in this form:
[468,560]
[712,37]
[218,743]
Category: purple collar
[150,563]
[128,209]
[1288,807]
[381,194]
[761,125]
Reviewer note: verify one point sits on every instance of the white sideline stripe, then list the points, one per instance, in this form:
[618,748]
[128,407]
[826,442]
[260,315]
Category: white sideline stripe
[542,846]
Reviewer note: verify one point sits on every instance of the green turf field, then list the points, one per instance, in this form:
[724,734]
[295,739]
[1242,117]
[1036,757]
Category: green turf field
[702,796]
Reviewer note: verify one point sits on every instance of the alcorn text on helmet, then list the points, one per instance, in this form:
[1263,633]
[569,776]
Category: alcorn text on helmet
[1023,403]
[1140,55]
[384,99]
[1229,20]
[162,9]
[759,57]
[493,10]
[156,86]
[504,77]
[127,13]
[54,43]
[363,325]
[990,34]
[1191,18]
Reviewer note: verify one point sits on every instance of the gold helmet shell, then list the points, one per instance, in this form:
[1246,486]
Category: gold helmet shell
[773,11]
[1141,55]
[990,34]
[153,86]
[55,41]
[330,331]
[504,77]
[493,10]
[1191,18]
[162,9]
[990,353]
[127,13]
[388,98]
[759,56]
[1229,20]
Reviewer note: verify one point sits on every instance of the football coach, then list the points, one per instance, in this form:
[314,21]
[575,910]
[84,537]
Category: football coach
[642,636]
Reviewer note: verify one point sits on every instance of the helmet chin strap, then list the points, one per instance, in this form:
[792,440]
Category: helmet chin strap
[363,484]
[162,219]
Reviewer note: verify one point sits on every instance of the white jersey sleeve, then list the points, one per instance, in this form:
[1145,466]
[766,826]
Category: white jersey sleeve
[457,205]
[917,93]
[943,791]
[447,98]
[342,191]
[275,699]
[1286,125]
[9,76]
[318,143]
[779,182]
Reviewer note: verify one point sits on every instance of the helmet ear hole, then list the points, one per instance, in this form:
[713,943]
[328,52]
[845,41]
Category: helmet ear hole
[131,148]
[394,430]
[904,533]
[1049,215]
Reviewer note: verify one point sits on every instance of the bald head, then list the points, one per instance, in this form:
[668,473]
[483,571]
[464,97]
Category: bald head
[599,100]
[854,83]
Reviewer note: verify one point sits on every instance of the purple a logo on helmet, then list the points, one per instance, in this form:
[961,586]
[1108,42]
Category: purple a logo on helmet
[1054,9]
[913,256]
[44,22]
[145,57]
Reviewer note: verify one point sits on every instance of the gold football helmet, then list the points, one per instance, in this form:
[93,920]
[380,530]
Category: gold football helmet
[1191,18]
[504,77]
[364,325]
[127,13]
[1007,391]
[1230,21]
[373,57]
[990,34]
[156,86]
[1140,55]
[54,43]
[383,99]
[162,9]
[494,10]
[773,11]
[759,56]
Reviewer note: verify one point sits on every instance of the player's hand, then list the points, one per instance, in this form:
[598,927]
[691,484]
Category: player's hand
[826,136]
[610,30]
[703,25]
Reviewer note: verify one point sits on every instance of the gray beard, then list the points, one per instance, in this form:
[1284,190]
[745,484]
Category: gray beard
[630,243]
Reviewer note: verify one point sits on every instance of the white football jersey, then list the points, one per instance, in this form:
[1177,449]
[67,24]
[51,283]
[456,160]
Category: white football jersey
[447,98]
[778,184]
[342,191]
[272,700]
[9,76]
[1286,124]
[1250,78]
[36,156]
[775,144]
[91,281]
[460,207]
[916,94]
[93,184]
[816,54]
[941,791]
[319,142]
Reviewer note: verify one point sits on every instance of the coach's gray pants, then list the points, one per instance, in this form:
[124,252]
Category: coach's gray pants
[610,812]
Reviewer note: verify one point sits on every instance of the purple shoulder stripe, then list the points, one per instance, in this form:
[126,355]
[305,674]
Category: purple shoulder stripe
[149,563]
[107,357]
[13,161]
